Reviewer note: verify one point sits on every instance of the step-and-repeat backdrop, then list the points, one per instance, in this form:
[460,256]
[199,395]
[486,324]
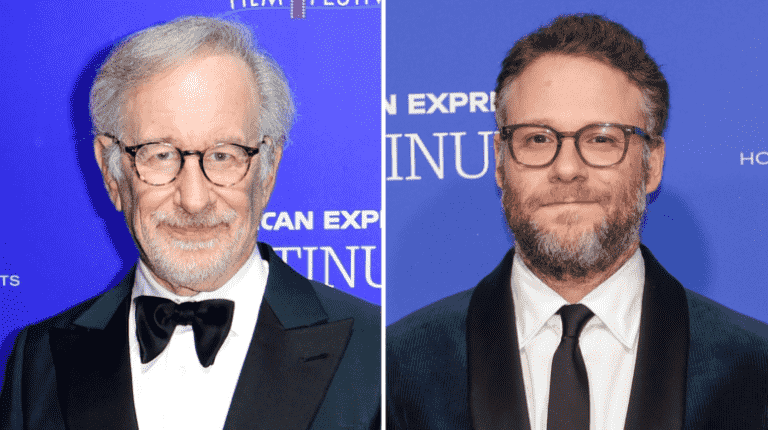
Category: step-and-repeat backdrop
[706,225]
[62,241]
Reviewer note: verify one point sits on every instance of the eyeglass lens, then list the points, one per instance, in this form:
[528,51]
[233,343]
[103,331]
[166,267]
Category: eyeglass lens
[160,163]
[599,145]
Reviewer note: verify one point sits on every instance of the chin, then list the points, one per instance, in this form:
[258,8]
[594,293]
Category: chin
[577,254]
[573,241]
[187,268]
[568,227]
[192,263]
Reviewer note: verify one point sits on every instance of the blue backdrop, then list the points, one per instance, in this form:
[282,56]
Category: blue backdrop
[445,228]
[62,240]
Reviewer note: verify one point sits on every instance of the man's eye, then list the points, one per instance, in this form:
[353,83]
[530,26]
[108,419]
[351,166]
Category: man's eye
[602,139]
[539,139]
[157,155]
[164,156]
[220,157]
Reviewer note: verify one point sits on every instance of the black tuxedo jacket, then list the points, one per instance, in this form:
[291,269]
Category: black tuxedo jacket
[313,362]
[455,364]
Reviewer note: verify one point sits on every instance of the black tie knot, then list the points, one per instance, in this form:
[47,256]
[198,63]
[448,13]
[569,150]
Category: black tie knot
[184,313]
[157,318]
[574,318]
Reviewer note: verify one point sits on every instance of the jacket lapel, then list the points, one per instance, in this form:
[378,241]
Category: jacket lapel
[293,355]
[93,374]
[657,399]
[496,390]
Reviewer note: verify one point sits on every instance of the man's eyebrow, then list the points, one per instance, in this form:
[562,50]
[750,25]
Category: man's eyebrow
[531,121]
[232,138]
[229,138]
[539,121]
[158,139]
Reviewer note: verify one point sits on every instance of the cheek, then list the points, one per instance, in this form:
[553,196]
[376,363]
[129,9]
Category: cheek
[128,200]
[246,203]
[530,186]
[624,190]
[146,201]
[513,192]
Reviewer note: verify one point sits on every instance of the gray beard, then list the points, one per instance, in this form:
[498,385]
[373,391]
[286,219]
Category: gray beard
[592,252]
[167,264]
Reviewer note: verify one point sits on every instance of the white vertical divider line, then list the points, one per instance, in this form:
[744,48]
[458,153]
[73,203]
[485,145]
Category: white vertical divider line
[383,215]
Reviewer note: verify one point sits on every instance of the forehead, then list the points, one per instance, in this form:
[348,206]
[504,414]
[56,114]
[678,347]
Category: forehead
[203,97]
[568,92]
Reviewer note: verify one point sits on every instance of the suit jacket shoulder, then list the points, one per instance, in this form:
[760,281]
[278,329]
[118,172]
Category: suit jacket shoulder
[104,305]
[340,305]
[727,367]
[30,378]
[427,366]
[427,329]
[720,327]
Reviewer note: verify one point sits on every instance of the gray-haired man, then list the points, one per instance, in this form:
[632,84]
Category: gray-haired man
[211,329]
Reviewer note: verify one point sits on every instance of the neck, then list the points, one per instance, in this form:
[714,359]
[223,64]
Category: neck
[572,288]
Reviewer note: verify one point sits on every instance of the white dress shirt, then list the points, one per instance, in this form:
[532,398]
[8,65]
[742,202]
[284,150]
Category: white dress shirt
[608,342]
[174,391]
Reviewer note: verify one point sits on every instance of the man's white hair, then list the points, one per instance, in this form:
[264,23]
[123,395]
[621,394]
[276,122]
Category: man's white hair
[161,48]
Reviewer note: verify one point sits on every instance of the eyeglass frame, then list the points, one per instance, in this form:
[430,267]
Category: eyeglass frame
[133,150]
[628,130]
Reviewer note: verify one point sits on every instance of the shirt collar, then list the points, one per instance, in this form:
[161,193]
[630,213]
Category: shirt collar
[246,289]
[616,302]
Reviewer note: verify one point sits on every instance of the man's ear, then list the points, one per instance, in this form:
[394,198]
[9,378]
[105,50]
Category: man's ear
[498,146]
[100,145]
[269,183]
[656,166]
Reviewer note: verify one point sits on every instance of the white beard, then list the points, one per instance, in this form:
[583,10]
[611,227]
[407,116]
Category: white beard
[175,261]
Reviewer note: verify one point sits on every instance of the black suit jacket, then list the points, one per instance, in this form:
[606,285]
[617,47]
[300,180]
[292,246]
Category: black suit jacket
[455,364]
[313,362]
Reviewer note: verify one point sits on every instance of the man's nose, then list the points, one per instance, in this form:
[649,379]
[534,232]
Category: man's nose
[568,166]
[194,190]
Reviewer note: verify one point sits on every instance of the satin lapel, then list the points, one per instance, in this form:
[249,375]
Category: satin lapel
[93,373]
[293,355]
[497,394]
[657,399]
[289,294]
[286,373]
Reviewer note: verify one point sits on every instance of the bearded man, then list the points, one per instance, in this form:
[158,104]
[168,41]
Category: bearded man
[210,329]
[579,327]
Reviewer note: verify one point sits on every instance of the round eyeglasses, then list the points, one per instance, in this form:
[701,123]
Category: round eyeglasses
[159,163]
[598,145]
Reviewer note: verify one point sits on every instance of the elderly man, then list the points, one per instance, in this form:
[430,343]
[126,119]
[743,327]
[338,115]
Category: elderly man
[579,327]
[211,329]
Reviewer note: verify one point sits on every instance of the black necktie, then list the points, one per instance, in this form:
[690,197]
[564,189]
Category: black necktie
[156,318]
[568,386]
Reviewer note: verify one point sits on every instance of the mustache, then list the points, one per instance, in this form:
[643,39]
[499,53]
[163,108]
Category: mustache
[568,194]
[181,218]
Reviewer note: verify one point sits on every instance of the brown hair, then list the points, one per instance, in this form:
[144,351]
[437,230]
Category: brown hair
[596,37]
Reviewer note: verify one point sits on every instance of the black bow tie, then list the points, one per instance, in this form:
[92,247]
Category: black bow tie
[156,318]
